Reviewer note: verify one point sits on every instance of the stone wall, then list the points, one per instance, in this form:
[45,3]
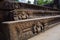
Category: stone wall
[23,30]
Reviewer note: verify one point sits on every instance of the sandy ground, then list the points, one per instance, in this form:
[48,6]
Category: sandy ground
[51,34]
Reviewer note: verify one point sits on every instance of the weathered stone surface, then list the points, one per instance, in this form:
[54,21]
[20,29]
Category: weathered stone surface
[23,30]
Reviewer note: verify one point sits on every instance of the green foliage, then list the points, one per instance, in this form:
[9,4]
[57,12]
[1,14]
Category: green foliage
[42,2]
[16,0]
[29,2]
